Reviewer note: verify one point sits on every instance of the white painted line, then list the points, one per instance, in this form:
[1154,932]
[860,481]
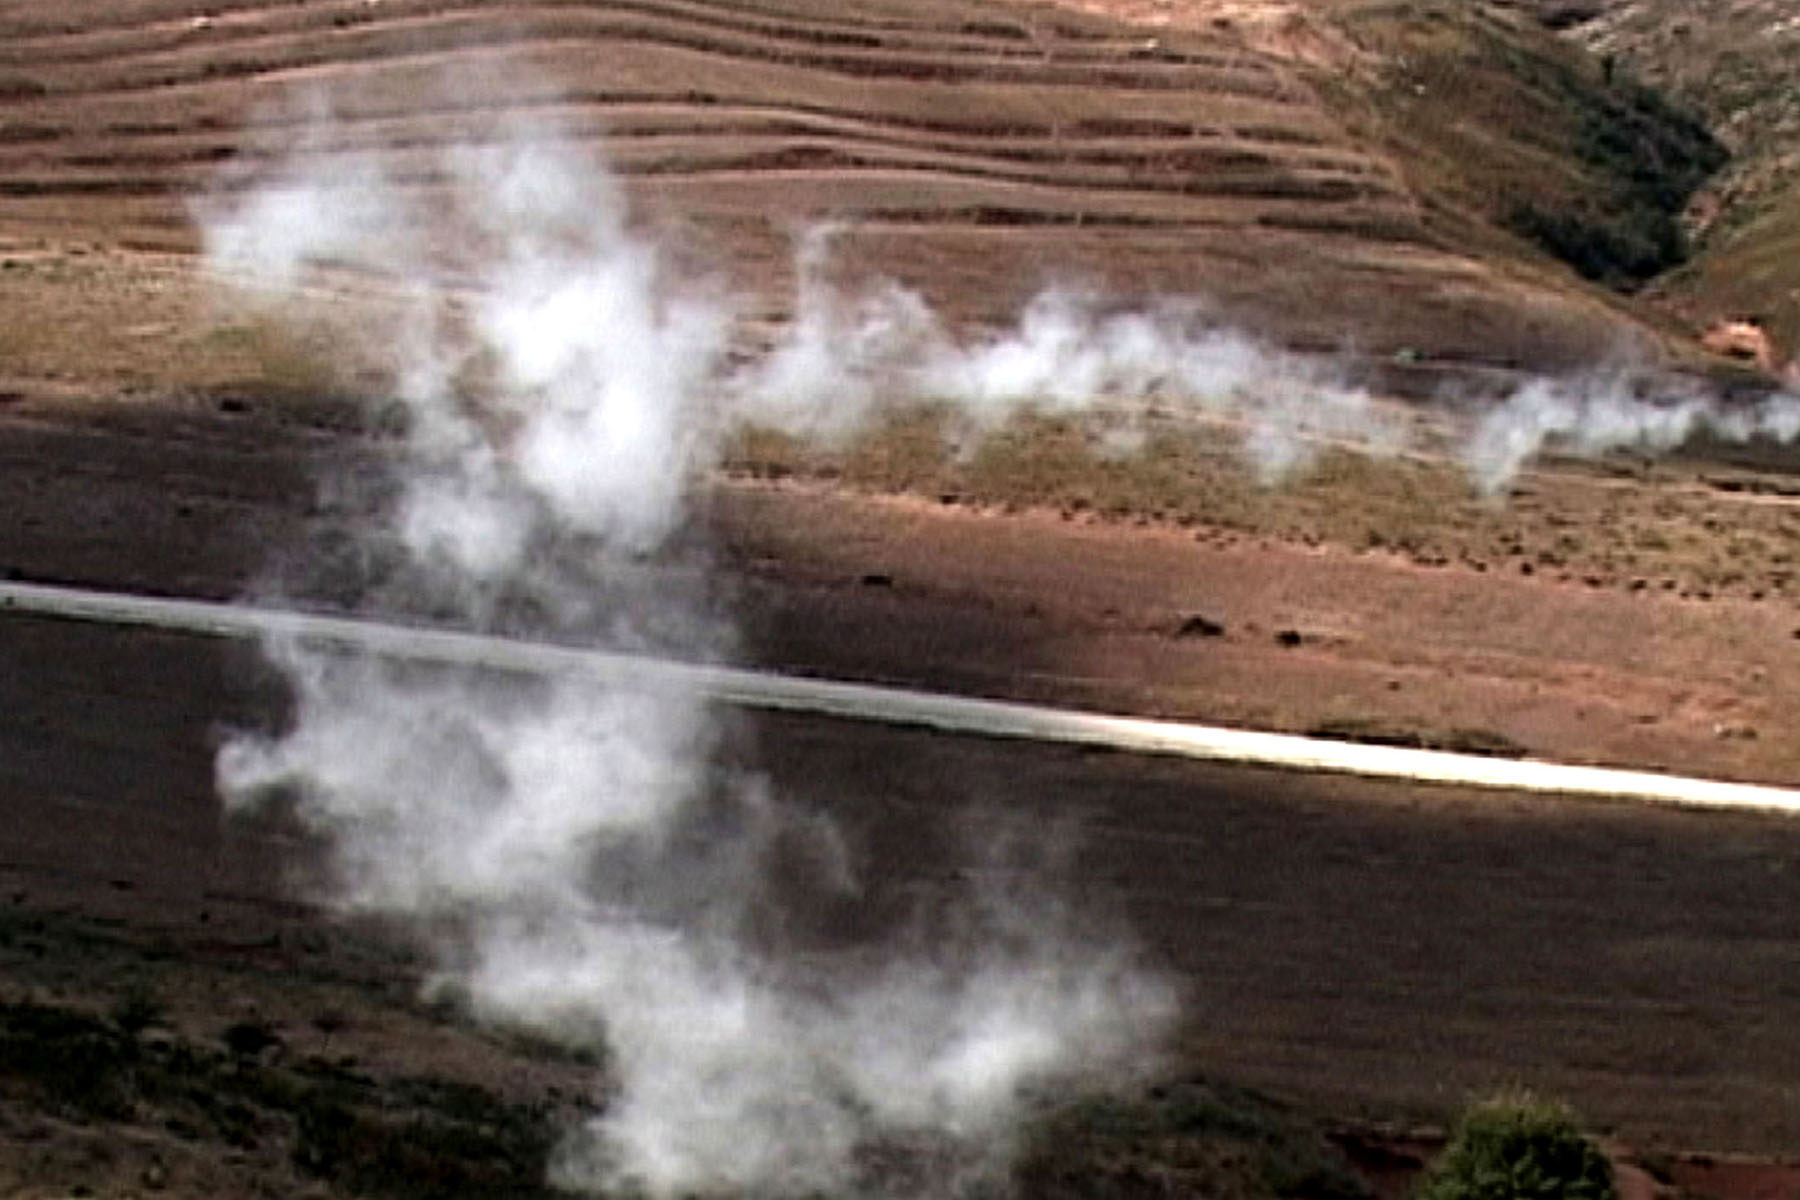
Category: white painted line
[867,702]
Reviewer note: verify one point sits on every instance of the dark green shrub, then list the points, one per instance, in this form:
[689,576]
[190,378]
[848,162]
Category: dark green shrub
[1519,1148]
[137,1010]
[247,1039]
[1187,1138]
[81,1065]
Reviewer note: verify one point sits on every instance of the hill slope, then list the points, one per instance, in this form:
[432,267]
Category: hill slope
[1739,65]
[1332,186]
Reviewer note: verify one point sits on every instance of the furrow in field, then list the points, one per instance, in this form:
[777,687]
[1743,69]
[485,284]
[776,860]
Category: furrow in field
[408,40]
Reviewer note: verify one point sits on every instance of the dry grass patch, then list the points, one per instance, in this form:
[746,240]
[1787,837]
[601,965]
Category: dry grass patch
[1682,527]
[104,322]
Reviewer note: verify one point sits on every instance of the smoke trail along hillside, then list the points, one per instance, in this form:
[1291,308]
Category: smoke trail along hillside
[1605,412]
[587,865]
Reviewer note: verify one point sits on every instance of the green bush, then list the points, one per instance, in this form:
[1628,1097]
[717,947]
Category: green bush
[1519,1148]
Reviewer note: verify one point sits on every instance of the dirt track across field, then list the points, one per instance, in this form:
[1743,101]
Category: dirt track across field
[219,499]
[1372,948]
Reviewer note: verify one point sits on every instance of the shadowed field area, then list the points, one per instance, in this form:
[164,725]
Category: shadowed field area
[1370,949]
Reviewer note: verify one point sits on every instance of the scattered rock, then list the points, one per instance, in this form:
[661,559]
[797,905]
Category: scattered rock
[1560,15]
[1199,626]
[1741,340]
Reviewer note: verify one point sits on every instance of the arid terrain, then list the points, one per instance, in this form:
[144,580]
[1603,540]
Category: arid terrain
[1442,199]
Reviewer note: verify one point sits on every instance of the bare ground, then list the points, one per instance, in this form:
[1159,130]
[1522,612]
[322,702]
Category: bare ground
[1376,951]
[1372,951]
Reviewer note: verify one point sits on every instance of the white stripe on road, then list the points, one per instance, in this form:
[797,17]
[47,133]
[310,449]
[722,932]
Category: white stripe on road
[901,706]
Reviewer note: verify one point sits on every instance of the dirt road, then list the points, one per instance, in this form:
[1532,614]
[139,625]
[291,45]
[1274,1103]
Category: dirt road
[1373,948]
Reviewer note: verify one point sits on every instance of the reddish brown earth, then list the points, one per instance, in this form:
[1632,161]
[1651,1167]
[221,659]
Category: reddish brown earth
[1370,950]
[1093,612]
[975,151]
[1374,951]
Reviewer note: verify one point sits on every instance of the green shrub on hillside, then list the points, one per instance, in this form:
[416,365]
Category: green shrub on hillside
[1519,1148]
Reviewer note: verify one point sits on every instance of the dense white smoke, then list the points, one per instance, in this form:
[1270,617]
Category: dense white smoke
[1597,414]
[848,354]
[588,860]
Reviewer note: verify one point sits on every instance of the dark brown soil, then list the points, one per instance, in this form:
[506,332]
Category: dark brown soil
[1374,950]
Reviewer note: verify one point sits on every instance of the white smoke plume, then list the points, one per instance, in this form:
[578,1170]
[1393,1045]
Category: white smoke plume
[847,354]
[1604,412]
[587,860]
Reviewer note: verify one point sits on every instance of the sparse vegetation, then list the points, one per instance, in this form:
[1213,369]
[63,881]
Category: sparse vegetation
[1573,525]
[1503,121]
[1195,1138]
[137,1010]
[247,1039]
[399,1137]
[77,1064]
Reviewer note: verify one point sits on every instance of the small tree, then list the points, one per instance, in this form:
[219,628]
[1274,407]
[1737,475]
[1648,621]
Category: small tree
[1519,1148]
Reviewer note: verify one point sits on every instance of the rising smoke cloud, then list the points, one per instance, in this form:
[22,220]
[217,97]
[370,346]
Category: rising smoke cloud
[588,861]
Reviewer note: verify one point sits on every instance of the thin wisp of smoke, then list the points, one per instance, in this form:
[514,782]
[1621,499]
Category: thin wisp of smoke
[585,859]
[1601,413]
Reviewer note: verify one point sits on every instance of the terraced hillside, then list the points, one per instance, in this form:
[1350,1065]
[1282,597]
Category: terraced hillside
[976,150]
